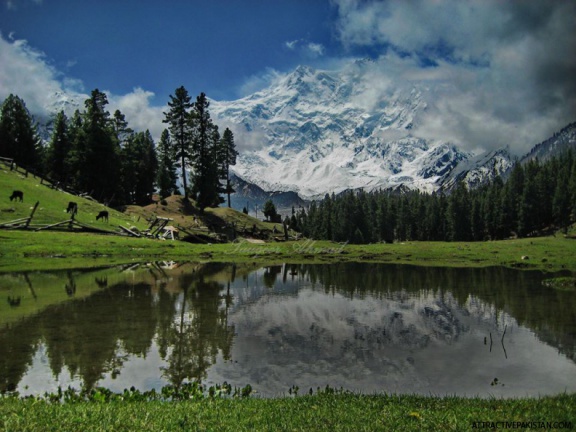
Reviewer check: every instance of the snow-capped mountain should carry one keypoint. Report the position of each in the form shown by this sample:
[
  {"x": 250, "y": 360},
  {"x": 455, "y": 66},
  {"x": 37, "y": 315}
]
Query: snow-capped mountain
[
  {"x": 317, "y": 132},
  {"x": 560, "y": 141},
  {"x": 54, "y": 103},
  {"x": 480, "y": 169}
]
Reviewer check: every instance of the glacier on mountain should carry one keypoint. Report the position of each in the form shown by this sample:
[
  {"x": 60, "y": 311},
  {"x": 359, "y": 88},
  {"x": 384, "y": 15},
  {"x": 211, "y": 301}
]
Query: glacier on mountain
[{"x": 316, "y": 132}]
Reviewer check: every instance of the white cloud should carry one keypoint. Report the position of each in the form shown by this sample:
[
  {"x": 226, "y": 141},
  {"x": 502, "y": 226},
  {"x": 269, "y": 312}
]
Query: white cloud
[
  {"x": 291, "y": 45},
  {"x": 258, "y": 81},
  {"x": 13, "y": 4},
  {"x": 138, "y": 111},
  {"x": 309, "y": 50},
  {"x": 507, "y": 67},
  {"x": 315, "y": 49},
  {"x": 26, "y": 72}
]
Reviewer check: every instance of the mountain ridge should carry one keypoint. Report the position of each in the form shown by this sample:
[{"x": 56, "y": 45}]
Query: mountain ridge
[{"x": 317, "y": 132}]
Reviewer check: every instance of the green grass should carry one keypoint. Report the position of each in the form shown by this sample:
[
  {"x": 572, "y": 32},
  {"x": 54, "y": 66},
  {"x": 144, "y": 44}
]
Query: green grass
[
  {"x": 320, "y": 412},
  {"x": 562, "y": 283},
  {"x": 25, "y": 250}
]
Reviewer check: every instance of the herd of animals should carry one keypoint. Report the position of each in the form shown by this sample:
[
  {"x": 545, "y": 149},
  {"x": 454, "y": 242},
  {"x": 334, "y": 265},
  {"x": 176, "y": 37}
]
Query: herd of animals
[{"x": 72, "y": 206}]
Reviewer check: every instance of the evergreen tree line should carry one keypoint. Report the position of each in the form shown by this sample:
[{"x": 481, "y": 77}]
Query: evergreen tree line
[
  {"x": 536, "y": 198},
  {"x": 97, "y": 153}
]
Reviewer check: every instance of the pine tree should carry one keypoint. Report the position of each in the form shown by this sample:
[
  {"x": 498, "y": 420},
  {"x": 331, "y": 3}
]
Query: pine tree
[
  {"x": 121, "y": 129},
  {"x": 529, "y": 201},
  {"x": 167, "y": 176},
  {"x": 100, "y": 171},
  {"x": 59, "y": 148},
  {"x": 140, "y": 166},
  {"x": 511, "y": 196},
  {"x": 227, "y": 157},
  {"x": 179, "y": 119},
  {"x": 572, "y": 190},
  {"x": 561, "y": 206},
  {"x": 459, "y": 208},
  {"x": 269, "y": 210},
  {"x": 148, "y": 169},
  {"x": 493, "y": 208},
  {"x": 77, "y": 155},
  {"x": 205, "y": 136},
  {"x": 18, "y": 134}
]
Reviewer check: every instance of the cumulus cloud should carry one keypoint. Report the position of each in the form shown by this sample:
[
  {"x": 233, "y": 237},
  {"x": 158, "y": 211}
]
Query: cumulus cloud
[
  {"x": 27, "y": 73},
  {"x": 508, "y": 66},
  {"x": 24, "y": 71},
  {"x": 139, "y": 113}
]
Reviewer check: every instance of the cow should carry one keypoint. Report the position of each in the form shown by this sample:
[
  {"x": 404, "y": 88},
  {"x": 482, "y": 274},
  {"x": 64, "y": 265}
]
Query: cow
[
  {"x": 14, "y": 301},
  {"x": 103, "y": 215},
  {"x": 72, "y": 207},
  {"x": 17, "y": 195}
]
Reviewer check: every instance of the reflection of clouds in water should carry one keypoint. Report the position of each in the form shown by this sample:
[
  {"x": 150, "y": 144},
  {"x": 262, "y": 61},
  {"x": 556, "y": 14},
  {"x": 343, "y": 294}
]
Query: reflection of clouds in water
[
  {"x": 424, "y": 343},
  {"x": 364, "y": 344}
]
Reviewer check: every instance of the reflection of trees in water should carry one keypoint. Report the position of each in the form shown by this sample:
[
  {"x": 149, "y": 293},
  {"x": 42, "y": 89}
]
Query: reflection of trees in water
[
  {"x": 88, "y": 336},
  {"x": 548, "y": 312},
  {"x": 187, "y": 313},
  {"x": 199, "y": 331},
  {"x": 95, "y": 335},
  {"x": 18, "y": 347}
]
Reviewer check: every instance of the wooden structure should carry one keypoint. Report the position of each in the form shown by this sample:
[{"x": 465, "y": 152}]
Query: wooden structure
[
  {"x": 22, "y": 222},
  {"x": 73, "y": 223},
  {"x": 157, "y": 226}
]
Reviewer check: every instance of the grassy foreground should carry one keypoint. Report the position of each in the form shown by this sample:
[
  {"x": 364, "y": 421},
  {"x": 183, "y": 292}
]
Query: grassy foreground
[{"x": 320, "y": 412}]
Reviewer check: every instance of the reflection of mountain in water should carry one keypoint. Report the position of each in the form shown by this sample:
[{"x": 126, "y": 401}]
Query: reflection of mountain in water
[
  {"x": 395, "y": 323},
  {"x": 485, "y": 292}
]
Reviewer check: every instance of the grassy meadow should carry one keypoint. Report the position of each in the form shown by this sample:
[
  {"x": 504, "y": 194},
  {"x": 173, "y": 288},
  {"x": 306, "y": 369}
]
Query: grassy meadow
[{"x": 325, "y": 411}]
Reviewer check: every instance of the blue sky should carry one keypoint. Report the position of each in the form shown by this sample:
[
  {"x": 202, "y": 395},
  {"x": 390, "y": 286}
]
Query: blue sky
[
  {"x": 507, "y": 67},
  {"x": 211, "y": 46}
]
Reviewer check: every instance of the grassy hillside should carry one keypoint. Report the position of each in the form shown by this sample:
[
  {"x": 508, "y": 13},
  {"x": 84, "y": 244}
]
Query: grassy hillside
[
  {"x": 188, "y": 216},
  {"x": 52, "y": 204}
]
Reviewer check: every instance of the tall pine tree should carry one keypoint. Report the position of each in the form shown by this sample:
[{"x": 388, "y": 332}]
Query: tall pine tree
[
  {"x": 140, "y": 162},
  {"x": 206, "y": 187},
  {"x": 59, "y": 148},
  {"x": 179, "y": 119},
  {"x": 101, "y": 166},
  {"x": 227, "y": 157},
  {"x": 18, "y": 134},
  {"x": 166, "y": 177}
]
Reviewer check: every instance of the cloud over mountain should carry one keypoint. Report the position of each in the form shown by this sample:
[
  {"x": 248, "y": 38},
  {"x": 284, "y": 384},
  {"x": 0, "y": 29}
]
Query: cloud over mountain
[{"x": 510, "y": 64}]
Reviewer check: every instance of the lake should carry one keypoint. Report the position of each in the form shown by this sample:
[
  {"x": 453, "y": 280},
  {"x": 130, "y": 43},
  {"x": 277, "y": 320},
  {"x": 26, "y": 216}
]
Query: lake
[{"x": 363, "y": 327}]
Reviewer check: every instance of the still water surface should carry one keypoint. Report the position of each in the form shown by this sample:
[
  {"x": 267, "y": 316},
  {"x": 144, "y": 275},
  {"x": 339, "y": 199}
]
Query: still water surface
[{"x": 364, "y": 327}]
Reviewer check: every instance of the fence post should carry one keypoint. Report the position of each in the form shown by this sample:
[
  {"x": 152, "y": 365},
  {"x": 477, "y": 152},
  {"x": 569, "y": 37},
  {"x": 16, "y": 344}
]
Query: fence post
[{"x": 31, "y": 215}]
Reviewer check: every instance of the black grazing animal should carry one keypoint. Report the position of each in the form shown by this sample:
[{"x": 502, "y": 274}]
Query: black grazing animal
[
  {"x": 17, "y": 195},
  {"x": 72, "y": 207},
  {"x": 103, "y": 215},
  {"x": 14, "y": 301}
]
